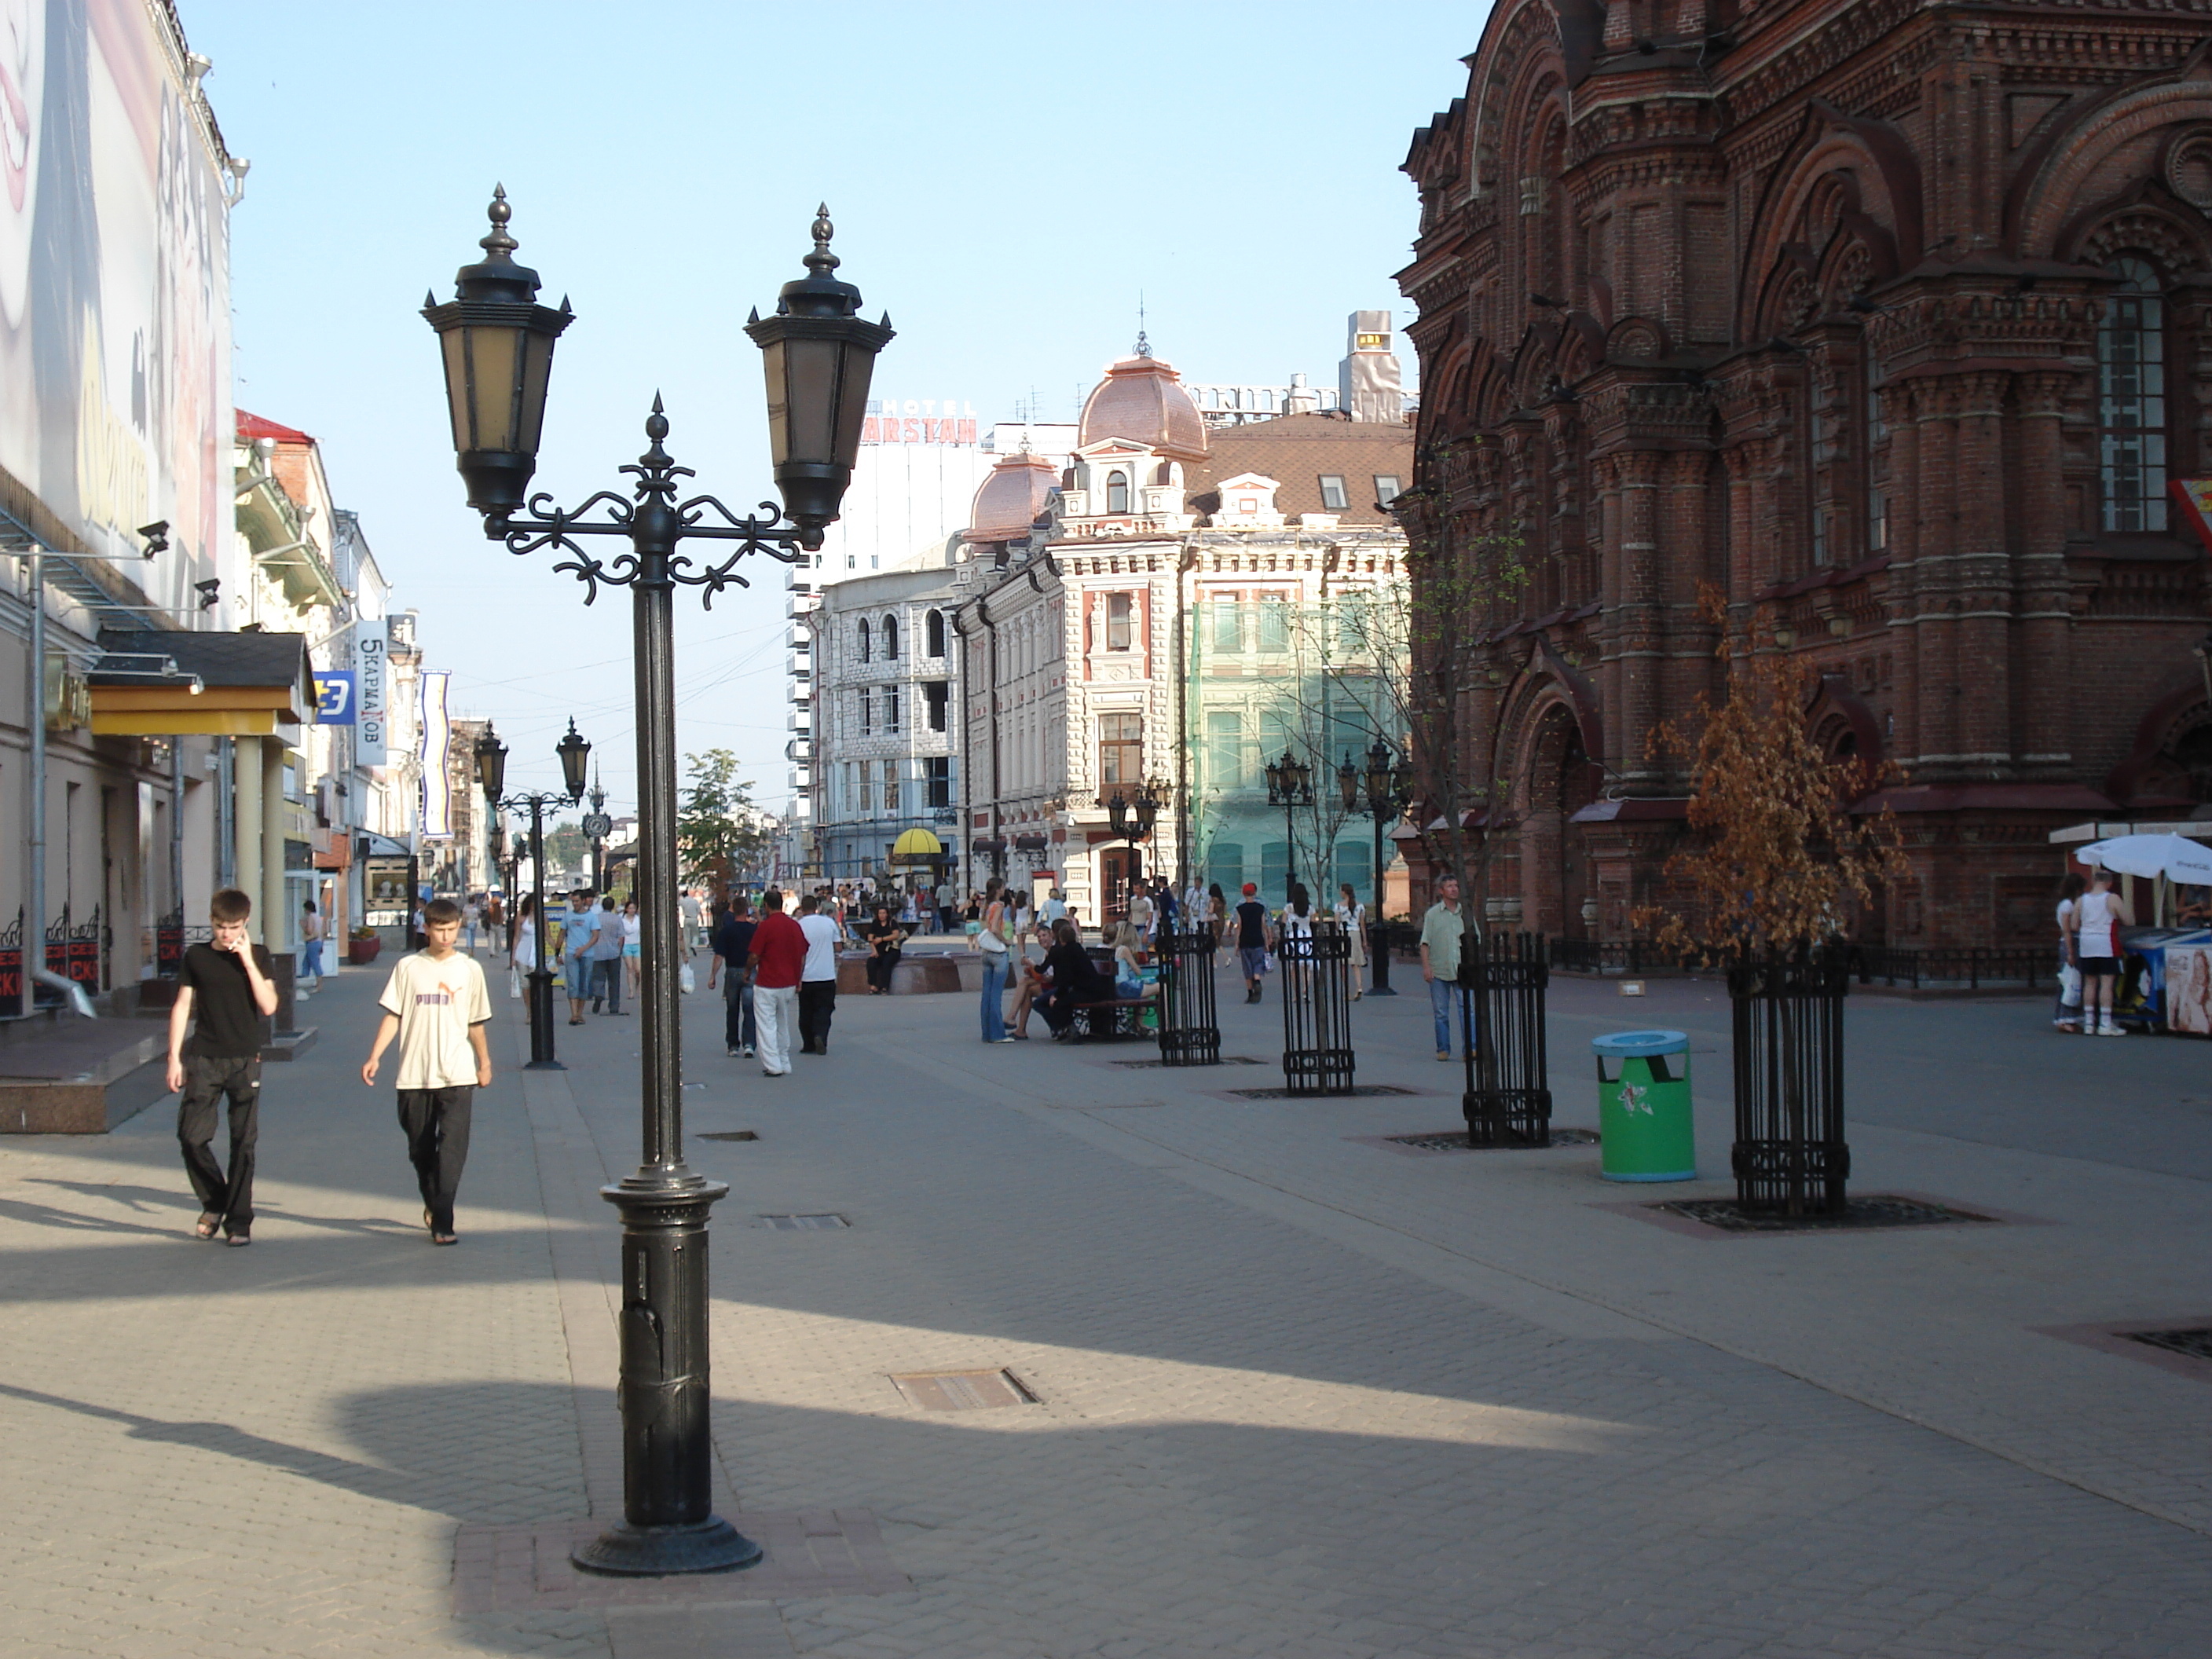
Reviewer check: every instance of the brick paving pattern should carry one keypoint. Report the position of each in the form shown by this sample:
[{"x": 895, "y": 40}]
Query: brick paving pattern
[{"x": 1291, "y": 1398}]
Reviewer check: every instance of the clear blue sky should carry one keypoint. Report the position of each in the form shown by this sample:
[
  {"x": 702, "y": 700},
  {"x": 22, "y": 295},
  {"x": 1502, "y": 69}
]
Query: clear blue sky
[{"x": 1005, "y": 181}]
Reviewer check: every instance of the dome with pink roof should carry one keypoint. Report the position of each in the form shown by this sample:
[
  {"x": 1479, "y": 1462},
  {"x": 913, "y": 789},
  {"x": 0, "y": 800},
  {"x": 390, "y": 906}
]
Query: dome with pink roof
[{"x": 1143, "y": 400}]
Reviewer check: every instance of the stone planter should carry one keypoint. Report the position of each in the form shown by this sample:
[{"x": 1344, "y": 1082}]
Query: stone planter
[{"x": 363, "y": 952}]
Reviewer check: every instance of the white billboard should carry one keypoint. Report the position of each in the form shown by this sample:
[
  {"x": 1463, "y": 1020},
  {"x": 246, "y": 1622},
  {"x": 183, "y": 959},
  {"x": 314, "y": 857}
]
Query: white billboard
[{"x": 372, "y": 661}]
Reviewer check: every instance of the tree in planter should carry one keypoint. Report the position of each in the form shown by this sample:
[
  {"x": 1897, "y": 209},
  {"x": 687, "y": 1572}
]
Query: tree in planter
[
  {"x": 1776, "y": 863},
  {"x": 717, "y": 831}
]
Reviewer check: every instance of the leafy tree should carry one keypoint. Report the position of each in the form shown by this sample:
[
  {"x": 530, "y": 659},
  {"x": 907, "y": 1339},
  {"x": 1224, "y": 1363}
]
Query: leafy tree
[
  {"x": 567, "y": 846},
  {"x": 719, "y": 834},
  {"x": 1777, "y": 859}
]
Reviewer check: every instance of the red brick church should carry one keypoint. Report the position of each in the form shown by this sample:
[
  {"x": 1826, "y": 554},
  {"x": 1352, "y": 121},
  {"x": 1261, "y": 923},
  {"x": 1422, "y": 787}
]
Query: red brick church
[{"x": 1892, "y": 321}]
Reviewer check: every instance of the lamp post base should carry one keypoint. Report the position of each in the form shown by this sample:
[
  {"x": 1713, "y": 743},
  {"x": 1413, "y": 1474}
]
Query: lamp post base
[{"x": 626, "y": 1552}]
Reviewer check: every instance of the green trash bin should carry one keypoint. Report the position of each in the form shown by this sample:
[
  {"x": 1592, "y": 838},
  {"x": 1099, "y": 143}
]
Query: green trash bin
[{"x": 1644, "y": 1109}]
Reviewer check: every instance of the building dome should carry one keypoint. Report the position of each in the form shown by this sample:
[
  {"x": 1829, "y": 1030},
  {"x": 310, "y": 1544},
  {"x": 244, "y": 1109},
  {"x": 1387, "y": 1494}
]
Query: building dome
[
  {"x": 1011, "y": 498},
  {"x": 1142, "y": 399}
]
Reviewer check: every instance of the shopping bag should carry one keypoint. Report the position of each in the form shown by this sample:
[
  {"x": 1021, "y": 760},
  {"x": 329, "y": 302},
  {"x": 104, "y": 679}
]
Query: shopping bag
[
  {"x": 2069, "y": 987},
  {"x": 513, "y": 983},
  {"x": 685, "y": 979},
  {"x": 1267, "y": 962}
]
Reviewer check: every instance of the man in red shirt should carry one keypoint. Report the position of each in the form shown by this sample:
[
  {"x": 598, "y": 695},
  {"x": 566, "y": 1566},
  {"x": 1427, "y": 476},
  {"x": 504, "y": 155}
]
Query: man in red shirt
[{"x": 777, "y": 959}]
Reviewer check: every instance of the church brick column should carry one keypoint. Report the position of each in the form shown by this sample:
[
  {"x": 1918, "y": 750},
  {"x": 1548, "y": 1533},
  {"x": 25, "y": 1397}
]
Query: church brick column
[
  {"x": 2044, "y": 632},
  {"x": 1631, "y": 703}
]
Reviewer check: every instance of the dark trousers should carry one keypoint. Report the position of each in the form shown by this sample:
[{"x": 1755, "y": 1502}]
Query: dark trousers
[
  {"x": 436, "y": 1124},
  {"x": 818, "y": 1000},
  {"x": 607, "y": 982},
  {"x": 879, "y": 970},
  {"x": 208, "y": 1080},
  {"x": 739, "y": 1029}
]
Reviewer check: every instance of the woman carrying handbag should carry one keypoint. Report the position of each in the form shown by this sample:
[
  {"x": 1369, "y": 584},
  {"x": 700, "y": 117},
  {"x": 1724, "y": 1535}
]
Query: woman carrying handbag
[{"x": 993, "y": 939}]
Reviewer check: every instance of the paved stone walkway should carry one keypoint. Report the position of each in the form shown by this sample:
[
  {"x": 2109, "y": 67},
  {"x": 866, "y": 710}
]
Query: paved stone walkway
[{"x": 1294, "y": 1393}]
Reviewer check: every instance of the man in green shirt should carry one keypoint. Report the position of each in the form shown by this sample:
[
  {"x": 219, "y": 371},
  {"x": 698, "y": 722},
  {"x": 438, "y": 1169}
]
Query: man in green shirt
[{"x": 1442, "y": 931}]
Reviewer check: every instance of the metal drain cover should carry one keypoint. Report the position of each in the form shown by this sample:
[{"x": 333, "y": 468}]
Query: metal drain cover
[
  {"x": 1455, "y": 1140},
  {"x": 2197, "y": 1344},
  {"x": 729, "y": 1134},
  {"x": 803, "y": 1223},
  {"x": 1875, "y": 1210},
  {"x": 1365, "y": 1089},
  {"x": 963, "y": 1391}
]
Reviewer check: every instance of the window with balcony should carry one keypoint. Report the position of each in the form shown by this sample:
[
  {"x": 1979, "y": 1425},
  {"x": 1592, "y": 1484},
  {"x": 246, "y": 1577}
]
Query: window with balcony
[{"x": 1120, "y": 749}]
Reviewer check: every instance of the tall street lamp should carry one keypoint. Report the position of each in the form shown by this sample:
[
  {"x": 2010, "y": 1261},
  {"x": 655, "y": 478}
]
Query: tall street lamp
[
  {"x": 491, "y": 772},
  {"x": 597, "y": 827},
  {"x": 818, "y": 354},
  {"x": 1289, "y": 785},
  {"x": 1384, "y": 782}
]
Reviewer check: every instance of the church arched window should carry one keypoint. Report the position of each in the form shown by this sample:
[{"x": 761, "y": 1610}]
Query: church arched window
[
  {"x": 890, "y": 639},
  {"x": 1117, "y": 492},
  {"x": 2131, "y": 400},
  {"x": 935, "y": 621},
  {"x": 864, "y": 639}
]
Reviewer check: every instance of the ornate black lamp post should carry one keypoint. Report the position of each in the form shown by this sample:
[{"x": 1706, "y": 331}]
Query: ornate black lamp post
[
  {"x": 1385, "y": 787},
  {"x": 1133, "y": 820},
  {"x": 1289, "y": 785},
  {"x": 819, "y": 353},
  {"x": 491, "y": 772},
  {"x": 596, "y": 827}
]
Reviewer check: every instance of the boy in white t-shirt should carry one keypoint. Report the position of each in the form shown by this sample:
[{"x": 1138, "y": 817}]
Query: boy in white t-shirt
[{"x": 436, "y": 1005}]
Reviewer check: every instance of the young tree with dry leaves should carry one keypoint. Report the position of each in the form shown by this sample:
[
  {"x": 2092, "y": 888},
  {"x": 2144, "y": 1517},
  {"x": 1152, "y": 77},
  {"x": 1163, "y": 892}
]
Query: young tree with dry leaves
[{"x": 1778, "y": 860}]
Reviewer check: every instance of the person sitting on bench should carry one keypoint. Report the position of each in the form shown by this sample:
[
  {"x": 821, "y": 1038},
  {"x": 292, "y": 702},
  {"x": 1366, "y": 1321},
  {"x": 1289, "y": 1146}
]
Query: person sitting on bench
[
  {"x": 1129, "y": 982},
  {"x": 1072, "y": 980}
]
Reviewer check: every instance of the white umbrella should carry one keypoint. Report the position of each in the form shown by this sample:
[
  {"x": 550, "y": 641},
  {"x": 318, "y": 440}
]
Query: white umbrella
[{"x": 2176, "y": 858}]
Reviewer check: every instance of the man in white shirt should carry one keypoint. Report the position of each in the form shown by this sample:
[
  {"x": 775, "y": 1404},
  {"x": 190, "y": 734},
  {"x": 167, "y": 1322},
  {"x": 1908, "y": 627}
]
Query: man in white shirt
[
  {"x": 694, "y": 914},
  {"x": 818, "y": 980},
  {"x": 436, "y": 1005}
]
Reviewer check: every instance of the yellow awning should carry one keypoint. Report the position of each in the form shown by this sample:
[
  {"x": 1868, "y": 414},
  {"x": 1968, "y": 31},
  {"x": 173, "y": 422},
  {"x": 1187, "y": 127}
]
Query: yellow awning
[{"x": 917, "y": 843}]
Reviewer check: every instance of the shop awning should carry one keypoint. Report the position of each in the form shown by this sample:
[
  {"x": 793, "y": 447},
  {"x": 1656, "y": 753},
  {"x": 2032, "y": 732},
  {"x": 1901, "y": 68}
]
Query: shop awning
[
  {"x": 917, "y": 843},
  {"x": 155, "y": 683}
]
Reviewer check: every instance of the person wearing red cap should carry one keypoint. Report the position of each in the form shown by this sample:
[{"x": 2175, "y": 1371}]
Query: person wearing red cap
[{"x": 1255, "y": 937}]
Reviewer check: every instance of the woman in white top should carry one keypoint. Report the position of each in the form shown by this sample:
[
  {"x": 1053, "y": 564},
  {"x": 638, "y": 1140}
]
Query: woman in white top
[
  {"x": 522, "y": 958},
  {"x": 2096, "y": 925},
  {"x": 633, "y": 947},
  {"x": 1352, "y": 916}
]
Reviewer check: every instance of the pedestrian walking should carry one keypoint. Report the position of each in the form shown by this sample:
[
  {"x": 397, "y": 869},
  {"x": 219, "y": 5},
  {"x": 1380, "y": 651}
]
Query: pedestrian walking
[
  {"x": 884, "y": 936},
  {"x": 606, "y": 958},
  {"x": 2098, "y": 917},
  {"x": 687, "y": 907},
  {"x": 2067, "y": 1016},
  {"x": 633, "y": 946},
  {"x": 311, "y": 934},
  {"x": 471, "y": 918},
  {"x": 436, "y": 1005},
  {"x": 774, "y": 961},
  {"x": 578, "y": 927},
  {"x": 1255, "y": 937},
  {"x": 522, "y": 948},
  {"x": 1217, "y": 913},
  {"x": 1443, "y": 934},
  {"x": 991, "y": 940},
  {"x": 732, "y": 939},
  {"x": 1140, "y": 912},
  {"x": 818, "y": 980},
  {"x": 224, "y": 992},
  {"x": 1352, "y": 916}
]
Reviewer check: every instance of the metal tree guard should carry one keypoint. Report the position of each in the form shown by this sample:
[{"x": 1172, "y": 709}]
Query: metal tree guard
[
  {"x": 1508, "y": 1101},
  {"x": 1316, "y": 994},
  {"x": 1789, "y": 1155},
  {"x": 819, "y": 353},
  {"x": 1190, "y": 1030}
]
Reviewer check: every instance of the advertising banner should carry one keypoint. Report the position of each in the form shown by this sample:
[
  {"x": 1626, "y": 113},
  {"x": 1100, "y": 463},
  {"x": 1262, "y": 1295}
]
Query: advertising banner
[
  {"x": 437, "y": 731},
  {"x": 371, "y": 658},
  {"x": 334, "y": 696},
  {"x": 115, "y": 398}
]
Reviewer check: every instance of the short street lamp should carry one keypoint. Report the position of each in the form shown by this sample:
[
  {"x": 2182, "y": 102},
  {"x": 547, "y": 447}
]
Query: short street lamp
[
  {"x": 1385, "y": 789},
  {"x": 1133, "y": 820},
  {"x": 497, "y": 342},
  {"x": 1289, "y": 785},
  {"x": 491, "y": 772}
]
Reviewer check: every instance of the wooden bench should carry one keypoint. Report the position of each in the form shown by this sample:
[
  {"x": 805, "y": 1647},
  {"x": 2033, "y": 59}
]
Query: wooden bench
[{"x": 1123, "y": 1019}]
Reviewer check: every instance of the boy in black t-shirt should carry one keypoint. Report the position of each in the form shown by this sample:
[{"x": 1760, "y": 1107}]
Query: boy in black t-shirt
[
  {"x": 226, "y": 983},
  {"x": 1255, "y": 937}
]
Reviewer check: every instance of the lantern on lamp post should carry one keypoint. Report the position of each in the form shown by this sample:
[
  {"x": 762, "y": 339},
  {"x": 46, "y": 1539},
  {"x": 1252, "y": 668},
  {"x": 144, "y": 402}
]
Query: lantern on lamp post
[
  {"x": 819, "y": 353},
  {"x": 1383, "y": 786}
]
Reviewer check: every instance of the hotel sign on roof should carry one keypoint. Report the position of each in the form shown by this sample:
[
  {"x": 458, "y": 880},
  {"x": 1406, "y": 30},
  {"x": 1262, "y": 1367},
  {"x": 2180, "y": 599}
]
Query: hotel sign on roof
[{"x": 919, "y": 421}]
